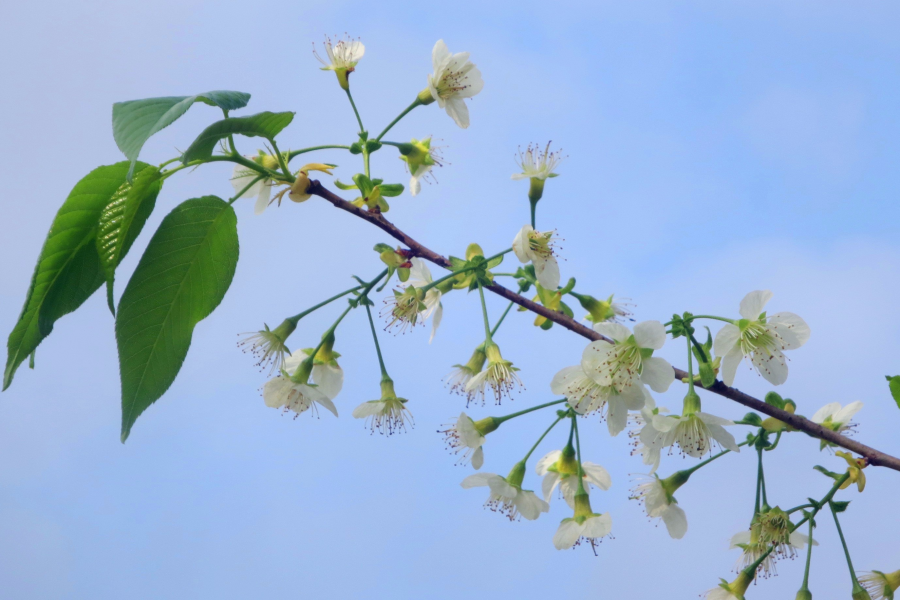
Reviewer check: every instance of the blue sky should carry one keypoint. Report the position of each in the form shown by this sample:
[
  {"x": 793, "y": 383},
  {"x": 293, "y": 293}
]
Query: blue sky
[{"x": 714, "y": 148}]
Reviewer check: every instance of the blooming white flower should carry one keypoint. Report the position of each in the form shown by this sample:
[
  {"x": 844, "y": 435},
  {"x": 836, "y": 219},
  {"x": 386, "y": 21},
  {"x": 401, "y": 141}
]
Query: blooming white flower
[
  {"x": 836, "y": 418},
  {"x": 326, "y": 374},
  {"x": 537, "y": 248},
  {"x": 586, "y": 396},
  {"x": 590, "y": 529},
  {"x": 537, "y": 163},
  {"x": 769, "y": 533},
  {"x": 760, "y": 338},
  {"x": 561, "y": 469},
  {"x": 731, "y": 591},
  {"x": 454, "y": 79},
  {"x": 419, "y": 276},
  {"x": 341, "y": 57},
  {"x": 499, "y": 375},
  {"x": 659, "y": 503},
  {"x": 459, "y": 378},
  {"x": 646, "y": 440},
  {"x": 464, "y": 436},
  {"x": 881, "y": 586},
  {"x": 404, "y": 309},
  {"x": 507, "y": 498},
  {"x": 694, "y": 433},
  {"x": 629, "y": 361},
  {"x": 268, "y": 346},
  {"x": 387, "y": 415},
  {"x": 281, "y": 392},
  {"x": 419, "y": 157}
]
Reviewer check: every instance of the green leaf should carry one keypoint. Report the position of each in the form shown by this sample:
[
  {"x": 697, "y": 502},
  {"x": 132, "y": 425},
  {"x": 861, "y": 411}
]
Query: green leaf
[
  {"x": 894, "y": 383},
  {"x": 344, "y": 186},
  {"x": 68, "y": 269},
  {"x": 265, "y": 124},
  {"x": 135, "y": 121},
  {"x": 122, "y": 220},
  {"x": 391, "y": 190},
  {"x": 774, "y": 399},
  {"x": 182, "y": 277},
  {"x": 840, "y": 506}
]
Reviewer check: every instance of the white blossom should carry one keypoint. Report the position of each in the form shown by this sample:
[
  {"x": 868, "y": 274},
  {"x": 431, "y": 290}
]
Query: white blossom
[
  {"x": 586, "y": 396},
  {"x": 281, "y": 392},
  {"x": 694, "y": 433},
  {"x": 538, "y": 248},
  {"x": 419, "y": 276},
  {"x": 507, "y": 499},
  {"x": 557, "y": 471},
  {"x": 463, "y": 436},
  {"x": 537, "y": 163},
  {"x": 575, "y": 531},
  {"x": 760, "y": 338},
  {"x": 628, "y": 362},
  {"x": 454, "y": 79},
  {"x": 659, "y": 504}
]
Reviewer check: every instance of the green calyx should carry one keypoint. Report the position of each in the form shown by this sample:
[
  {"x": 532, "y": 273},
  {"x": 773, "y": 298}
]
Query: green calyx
[
  {"x": 566, "y": 464},
  {"x": 326, "y": 354},
  {"x": 691, "y": 404},
  {"x": 424, "y": 97},
  {"x": 598, "y": 310},
  {"x": 387, "y": 388},
  {"x": 487, "y": 425},
  {"x": 582, "y": 507},
  {"x": 803, "y": 594},
  {"x": 860, "y": 593},
  {"x": 476, "y": 361},
  {"x": 674, "y": 481},
  {"x": 284, "y": 331},
  {"x": 303, "y": 372},
  {"x": 492, "y": 352},
  {"x": 536, "y": 189},
  {"x": 516, "y": 475},
  {"x": 416, "y": 154}
]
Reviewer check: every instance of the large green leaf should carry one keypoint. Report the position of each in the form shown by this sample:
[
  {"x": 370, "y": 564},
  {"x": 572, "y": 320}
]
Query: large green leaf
[
  {"x": 179, "y": 281},
  {"x": 122, "y": 219},
  {"x": 68, "y": 269},
  {"x": 265, "y": 124},
  {"x": 136, "y": 120}
]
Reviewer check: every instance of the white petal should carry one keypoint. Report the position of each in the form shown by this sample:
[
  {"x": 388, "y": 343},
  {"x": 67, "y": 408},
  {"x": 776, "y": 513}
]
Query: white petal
[
  {"x": 714, "y": 420},
  {"x": 323, "y": 400},
  {"x": 440, "y": 55},
  {"x": 825, "y": 412},
  {"x": 530, "y": 506},
  {"x": 792, "y": 322},
  {"x": 262, "y": 198},
  {"x": 478, "y": 458},
  {"x": 367, "y": 409},
  {"x": 458, "y": 111},
  {"x": 547, "y": 461},
  {"x": 616, "y": 415},
  {"x": 729, "y": 365},
  {"x": 598, "y": 526},
  {"x": 650, "y": 334},
  {"x": 635, "y": 397},
  {"x": 568, "y": 533},
  {"x": 547, "y": 272},
  {"x": 845, "y": 414},
  {"x": 501, "y": 487},
  {"x": 726, "y": 339},
  {"x": 549, "y": 483},
  {"x": 436, "y": 321},
  {"x": 275, "y": 392},
  {"x": 742, "y": 537},
  {"x": 664, "y": 423},
  {"x": 772, "y": 366},
  {"x": 478, "y": 480},
  {"x": 329, "y": 379},
  {"x": 613, "y": 331},
  {"x": 520, "y": 244},
  {"x": 658, "y": 374},
  {"x": 419, "y": 273},
  {"x": 754, "y": 303},
  {"x": 597, "y": 475},
  {"x": 676, "y": 521},
  {"x": 415, "y": 186},
  {"x": 725, "y": 439}
]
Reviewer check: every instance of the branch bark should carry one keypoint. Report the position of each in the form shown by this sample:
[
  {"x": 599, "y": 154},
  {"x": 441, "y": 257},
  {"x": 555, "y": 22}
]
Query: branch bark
[{"x": 873, "y": 456}]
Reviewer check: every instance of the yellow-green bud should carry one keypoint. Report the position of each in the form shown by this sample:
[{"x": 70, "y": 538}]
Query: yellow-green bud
[
  {"x": 473, "y": 250},
  {"x": 425, "y": 98},
  {"x": 803, "y": 594}
]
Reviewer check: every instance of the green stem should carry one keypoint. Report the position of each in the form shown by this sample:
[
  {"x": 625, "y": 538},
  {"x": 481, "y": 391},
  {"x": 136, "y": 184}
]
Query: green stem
[
  {"x": 487, "y": 324},
  {"x": 801, "y": 507},
  {"x": 503, "y": 316},
  {"x": 296, "y": 318},
  {"x": 384, "y": 373},
  {"x": 805, "y": 585},
  {"x": 775, "y": 443},
  {"x": 710, "y": 459},
  {"x": 406, "y": 110},
  {"x": 581, "y": 489},
  {"x": 541, "y": 439},
  {"x": 690, "y": 364},
  {"x": 246, "y": 187},
  {"x": 533, "y": 211},
  {"x": 280, "y": 157},
  {"x": 526, "y": 411},
  {"x": 699, "y": 348},
  {"x": 295, "y": 153},
  {"x": 355, "y": 112},
  {"x": 762, "y": 481},
  {"x": 715, "y": 318},
  {"x": 837, "y": 524}
]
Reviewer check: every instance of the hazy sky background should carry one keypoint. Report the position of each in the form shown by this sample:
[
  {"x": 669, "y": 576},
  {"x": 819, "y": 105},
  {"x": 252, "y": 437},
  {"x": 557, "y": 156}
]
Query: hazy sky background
[{"x": 714, "y": 148}]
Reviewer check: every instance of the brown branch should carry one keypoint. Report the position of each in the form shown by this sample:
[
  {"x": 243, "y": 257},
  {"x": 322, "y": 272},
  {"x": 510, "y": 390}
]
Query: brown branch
[{"x": 798, "y": 422}]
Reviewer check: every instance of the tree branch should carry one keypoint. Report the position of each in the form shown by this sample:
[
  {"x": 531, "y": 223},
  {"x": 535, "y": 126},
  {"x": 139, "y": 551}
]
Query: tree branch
[{"x": 873, "y": 456}]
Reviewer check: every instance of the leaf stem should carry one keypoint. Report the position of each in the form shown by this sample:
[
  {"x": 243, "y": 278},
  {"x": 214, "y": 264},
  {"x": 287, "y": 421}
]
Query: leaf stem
[
  {"x": 296, "y": 318},
  {"x": 355, "y": 112},
  {"x": 526, "y": 411}
]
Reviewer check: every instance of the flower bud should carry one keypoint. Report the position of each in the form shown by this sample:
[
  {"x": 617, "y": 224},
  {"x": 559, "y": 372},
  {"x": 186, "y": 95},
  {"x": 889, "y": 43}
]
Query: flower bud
[
  {"x": 424, "y": 97},
  {"x": 691, "y": 403},
  {"x": 517, "y": 474},
  {"x": 803, "y": 594}
]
